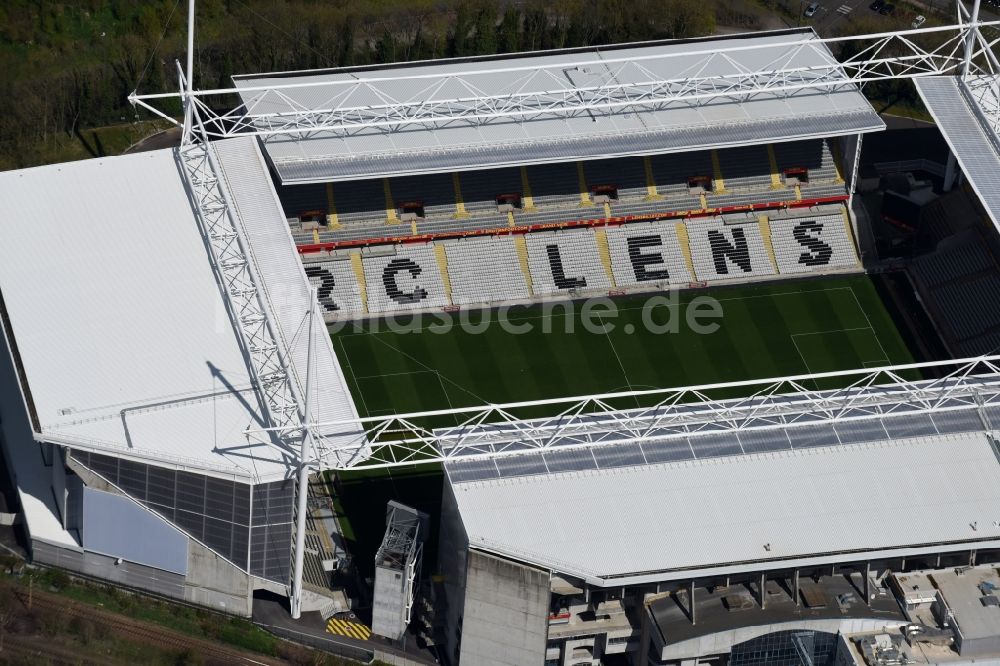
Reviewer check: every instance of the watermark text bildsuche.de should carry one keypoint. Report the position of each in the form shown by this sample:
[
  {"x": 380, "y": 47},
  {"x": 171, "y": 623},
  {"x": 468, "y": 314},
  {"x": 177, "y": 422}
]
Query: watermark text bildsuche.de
[{"x": 660, "y": 314}]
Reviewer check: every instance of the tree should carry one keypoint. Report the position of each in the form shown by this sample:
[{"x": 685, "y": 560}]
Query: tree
[
  {"x": 486, "y": 31},
  {"x": 507, "y": 33}
]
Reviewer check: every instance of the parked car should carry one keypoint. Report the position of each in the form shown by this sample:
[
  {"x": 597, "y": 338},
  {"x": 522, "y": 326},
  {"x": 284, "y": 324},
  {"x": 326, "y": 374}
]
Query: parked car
[
  {"x": 887, "y": 9},
  {"x": 811, "y": 10},
  {"x": 919, "y": 21},
  {"x": 877, "y": 5}
]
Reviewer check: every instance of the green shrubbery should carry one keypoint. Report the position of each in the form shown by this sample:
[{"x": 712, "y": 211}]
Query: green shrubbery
[{"x": 71, "y": 65}]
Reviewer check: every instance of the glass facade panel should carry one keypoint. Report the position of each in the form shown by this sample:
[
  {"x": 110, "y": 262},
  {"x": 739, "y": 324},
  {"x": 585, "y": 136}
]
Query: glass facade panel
[
  {"x": 214, "y": 511},
  {"x": 787, "y": 648}
]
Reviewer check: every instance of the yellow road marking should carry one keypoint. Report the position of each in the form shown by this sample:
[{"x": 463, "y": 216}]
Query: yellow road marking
[{"x": 348, "y": 628}]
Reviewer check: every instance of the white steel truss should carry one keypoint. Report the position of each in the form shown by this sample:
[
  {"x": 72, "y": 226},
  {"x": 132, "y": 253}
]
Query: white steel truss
[
  {"x": 237, "y": 274},
  {"x": 494, "y": 431},
  {"x": 282, "y": 403},
  {"x": 542, "y": 91},
  {"x": 402, "y": 550},
  {"x": 633, "y": 84}
]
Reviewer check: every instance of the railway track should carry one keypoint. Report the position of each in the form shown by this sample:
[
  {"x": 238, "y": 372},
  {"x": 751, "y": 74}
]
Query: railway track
[{"x": 147, "y": 634}]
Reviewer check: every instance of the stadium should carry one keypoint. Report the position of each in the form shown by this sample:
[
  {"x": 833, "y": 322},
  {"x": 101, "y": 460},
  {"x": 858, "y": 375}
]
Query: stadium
[{"x": 226, "y": 358}]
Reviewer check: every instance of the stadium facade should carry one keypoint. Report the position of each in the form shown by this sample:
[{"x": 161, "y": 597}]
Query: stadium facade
[
  {"x": 150, "y": 448},
  {"x": 125, "y": 414}
]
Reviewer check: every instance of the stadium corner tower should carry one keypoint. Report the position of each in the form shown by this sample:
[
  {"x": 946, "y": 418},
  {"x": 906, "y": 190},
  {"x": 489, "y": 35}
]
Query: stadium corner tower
[
  {"x": 127, "y": 407},
  {"x": 132, "y": 420}
]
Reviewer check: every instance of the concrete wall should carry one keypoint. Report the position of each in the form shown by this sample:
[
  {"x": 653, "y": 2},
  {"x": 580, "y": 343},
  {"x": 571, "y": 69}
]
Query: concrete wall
[
  {"x": 216, "y": 582},
  {"x": 452, "y": 555},
  {"x": 505, "y": 621},
  {"x": 211, "y": 580},
  {"x": 389, "y": 603}
]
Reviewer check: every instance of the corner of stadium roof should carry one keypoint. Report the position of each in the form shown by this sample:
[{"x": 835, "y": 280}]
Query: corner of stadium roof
[
  {"x": 352, "y": 153},
  {"x": 889, "y": 482},
  {"x": 116, "y": 322},
  {"x": 957, "y": 109}
]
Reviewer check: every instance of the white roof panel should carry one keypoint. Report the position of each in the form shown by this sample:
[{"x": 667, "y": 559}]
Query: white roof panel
[
  {"x": 974, "y": 148},
  {"x": 118, "y": 319},
  {"x": 674, "y": 127},
  {"x": 665, "y": 520}
]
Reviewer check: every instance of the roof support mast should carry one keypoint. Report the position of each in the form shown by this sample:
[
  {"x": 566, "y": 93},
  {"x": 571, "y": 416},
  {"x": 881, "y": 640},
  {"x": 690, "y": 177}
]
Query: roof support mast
[
  {"x": 280, "y": 397},
  {"x": 970, "y": 38},
  {"x": 304, "y": 455},
  {"x": 188, "y": 130}
]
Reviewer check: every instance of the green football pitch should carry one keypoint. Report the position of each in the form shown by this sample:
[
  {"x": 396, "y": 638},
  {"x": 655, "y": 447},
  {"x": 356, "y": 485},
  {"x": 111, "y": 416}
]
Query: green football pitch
[
  {"x": 765, "y": 331},
  {"x": 789, "y": 328}
]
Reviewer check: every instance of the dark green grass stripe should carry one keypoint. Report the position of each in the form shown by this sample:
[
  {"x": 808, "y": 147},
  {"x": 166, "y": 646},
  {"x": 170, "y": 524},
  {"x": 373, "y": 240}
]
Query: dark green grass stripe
[{"x": 754, "y": 341}]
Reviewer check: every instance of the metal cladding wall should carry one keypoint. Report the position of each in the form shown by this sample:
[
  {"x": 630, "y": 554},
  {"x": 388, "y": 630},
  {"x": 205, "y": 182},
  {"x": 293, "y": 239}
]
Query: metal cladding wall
[
  {"x": 271, "y": 535},
  {"x": 216, "y": 512}
]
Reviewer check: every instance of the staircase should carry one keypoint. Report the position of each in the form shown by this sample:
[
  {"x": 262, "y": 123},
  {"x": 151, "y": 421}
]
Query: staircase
[
  {"x": 683, "y": 241},
  {"x": 359, "y": 274},
  {"x": 776, "y": 183},
  {"x": 765, "y": 235},
  {"x": 718, "y": 183},
  {"x": 522, "y": 255},
  {"x": 601, "y": 236},
  {"x": 442, "y": 259}
]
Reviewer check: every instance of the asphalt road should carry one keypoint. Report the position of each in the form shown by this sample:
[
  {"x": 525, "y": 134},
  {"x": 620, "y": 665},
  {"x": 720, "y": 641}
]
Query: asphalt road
[{"x": 832, "y": 14}]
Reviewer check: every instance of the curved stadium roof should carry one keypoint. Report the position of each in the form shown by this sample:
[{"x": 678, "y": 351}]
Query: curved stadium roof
[
  {"x": 116, "y": 320},
  {"x": 401, "y": 119}
]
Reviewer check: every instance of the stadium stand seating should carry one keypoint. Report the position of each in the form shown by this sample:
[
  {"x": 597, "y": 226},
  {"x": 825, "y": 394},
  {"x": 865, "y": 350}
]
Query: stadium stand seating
[
  {"x": 407, "y": 278},
  {"x": 814, "y": 155},
  {"x": 745, "y": 168},
  {"x": 961, "y": 303},
  {"x": 456, "y": 268},
  {"x": 564, "y": 261},
  {"x": 627, "y": 174},
  {"x": 554, "y": 185},
  {"x": 479, "y": 270},
  {"x": 948, "y": 265},
  {"x": 955, "y": 282},
  {"x": 805, "y": 244},
  {"x": 671, "y": 173},
  {"x": 337, "y": 287},
  {"x": 723, "y": 251},
  {"x": 456, "y": 204},
  {"x": 434, "y": 191},
  {"x": 485, "y": 269},
  {"x": 647, "y": 252},
  {"x": 480, "y": 188}
]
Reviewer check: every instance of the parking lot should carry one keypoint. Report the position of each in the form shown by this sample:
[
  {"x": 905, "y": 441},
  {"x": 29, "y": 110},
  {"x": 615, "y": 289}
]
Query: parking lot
[{"x": 832, "y": 14}]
